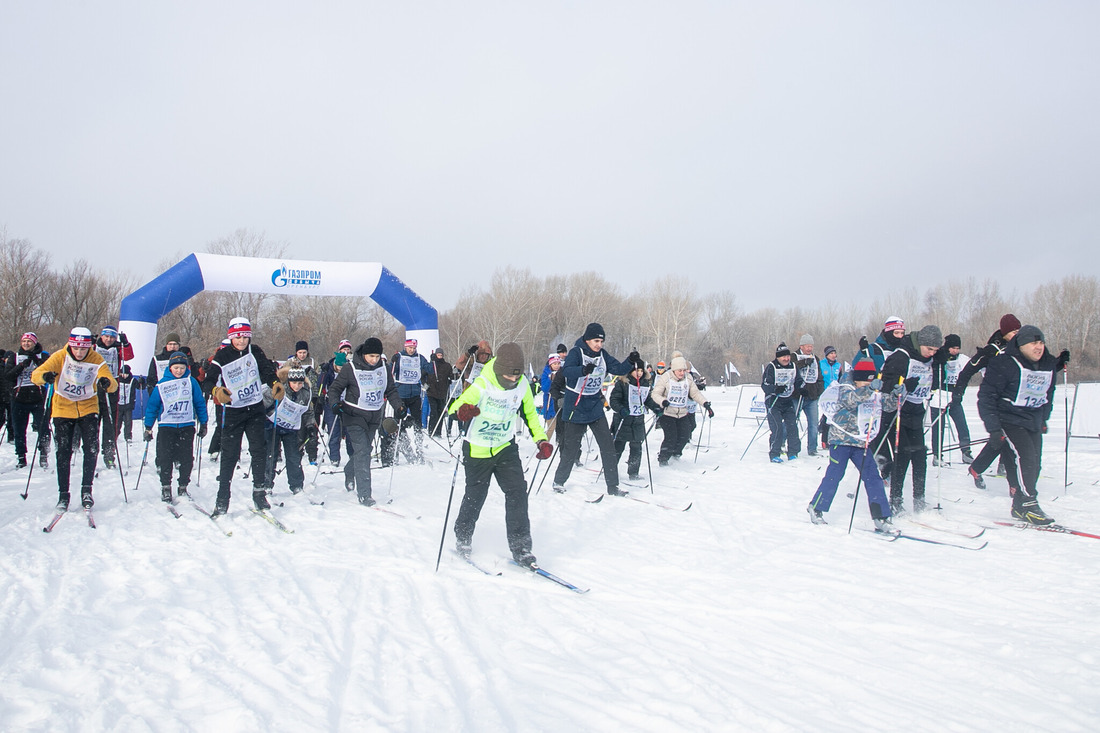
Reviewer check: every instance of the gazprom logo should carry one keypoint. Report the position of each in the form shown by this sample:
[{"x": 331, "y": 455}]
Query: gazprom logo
[{"x": 296, "y": 278}]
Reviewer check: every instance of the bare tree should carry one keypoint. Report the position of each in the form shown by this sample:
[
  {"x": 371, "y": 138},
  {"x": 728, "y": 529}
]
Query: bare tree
[{"x": 26, "y": 271}]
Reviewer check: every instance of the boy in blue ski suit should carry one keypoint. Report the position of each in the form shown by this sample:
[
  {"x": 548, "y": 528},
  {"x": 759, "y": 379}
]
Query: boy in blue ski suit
[{"x": 177, "y": 402}]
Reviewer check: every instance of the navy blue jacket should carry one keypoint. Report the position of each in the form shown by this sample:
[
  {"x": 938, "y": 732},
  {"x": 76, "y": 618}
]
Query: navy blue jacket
[{"x": 587, "y": 408}]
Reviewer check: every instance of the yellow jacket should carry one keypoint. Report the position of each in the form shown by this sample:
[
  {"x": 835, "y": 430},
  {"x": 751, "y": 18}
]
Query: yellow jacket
[{"x": 61, "y": 406}]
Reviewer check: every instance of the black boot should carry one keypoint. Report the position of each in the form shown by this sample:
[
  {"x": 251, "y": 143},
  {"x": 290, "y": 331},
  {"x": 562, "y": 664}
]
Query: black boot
[
  {"x": 259, "y": 498},
  {"x": 86, "y": 497},
  {"x": 166, "y": 494},
  {"x": 63, "y": 501},
  {"x": 181, "y": 492}
]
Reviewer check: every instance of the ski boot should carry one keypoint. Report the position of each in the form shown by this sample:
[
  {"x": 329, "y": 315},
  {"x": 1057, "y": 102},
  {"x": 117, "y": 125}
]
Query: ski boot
[
  {"x": 559, "y": 488},
  {"x": 524, "y": 558},
  {"x": 181, "y": 492},
  {"x": 21, "y": 462},
  {"x": 1030, "y": 512},
  {"x": 259, "y": 498},
  {"x": 978, "y": 480},
  {"x": 815, "y": 515},
  {"x": 463, "y": 547},
  {"x": 63, "y": 501},
  {"x": 367, "y": 501},
  {"x": 166, "y": 494},
  {"x": 86, "y": 497},
  {"x": 883, "y": 525},
  {"x": 616, "y": 491}
]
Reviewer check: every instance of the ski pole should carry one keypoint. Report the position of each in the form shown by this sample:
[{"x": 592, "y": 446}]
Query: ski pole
[
  {"x": 198, "y": 472},
  {"x": 1065, "y": 395},
  {"x": 111, "y": 427},
  {"x": 142, "y": 467},
  {"x": 696, "y": 459},
  {"x": 648, "y": 465},
  {"x": 548, "y": 464},
  {"x": 38, "y": 441},
  {"x": 393, "y": 465},
  {"x": 758, "y": 426},
  {"x": 447, "y": 515},
  {"x": 859, "y": 480}
]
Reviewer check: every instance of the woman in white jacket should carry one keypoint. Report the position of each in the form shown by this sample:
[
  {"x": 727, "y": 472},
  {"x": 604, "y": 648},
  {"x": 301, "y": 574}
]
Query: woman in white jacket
[{"x": 672, "y": 392}]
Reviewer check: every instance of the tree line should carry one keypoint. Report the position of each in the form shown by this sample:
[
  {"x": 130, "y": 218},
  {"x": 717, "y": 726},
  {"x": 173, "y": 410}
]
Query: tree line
[{"x": 515, "y": 304}]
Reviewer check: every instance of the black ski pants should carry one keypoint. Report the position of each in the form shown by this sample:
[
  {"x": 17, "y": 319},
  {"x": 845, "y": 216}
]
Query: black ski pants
[
  {"x": 22, "y": 413},
  {"x": 630, "y": 429},
  {"x": 1022, "y": 451},
  {"x": 108, "y": 409},
  {"x": 781, "y": 415},
  {"x": 437, "y": 409},
  {"x": 572, "y": 433},
  {"x": 292, "y": 457},
  {"x": 911, "y": 450},
  {"x": 360, "y": 448},
  {"x": 508, "y": 469},
  {"x": 175, "y": 445},
  {"x": 241, "y": 422},
  {"x": 955, "y": 412},
  {"x": 64, "y": 428},
  {"x": 677, "y": 431}
]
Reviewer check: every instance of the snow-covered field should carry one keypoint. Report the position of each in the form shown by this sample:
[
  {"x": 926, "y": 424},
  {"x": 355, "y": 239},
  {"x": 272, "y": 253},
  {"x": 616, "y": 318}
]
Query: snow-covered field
[{"x": 735, "y": 615}]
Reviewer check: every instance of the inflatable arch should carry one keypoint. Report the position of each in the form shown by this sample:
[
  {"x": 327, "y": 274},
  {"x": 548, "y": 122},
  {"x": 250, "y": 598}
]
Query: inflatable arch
[{"x": 197, "y": 272}]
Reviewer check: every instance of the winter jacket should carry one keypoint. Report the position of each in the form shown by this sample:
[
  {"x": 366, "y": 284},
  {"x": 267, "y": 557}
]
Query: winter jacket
[
  {"x": 812, "y": 384},
  {"x": 880, "y": 349},
  {"x": 902, "y": 364},
  {"x": 767, "y": 382},
  {"x": 439, "y": 378},
  {"x": 1001, "y": 390},
  {"x": 62, "y": 406},
  {"x": 661, "y": 390},
  {"x": 159, "y": 362},
  {"x": 18, "y": 368},
  {"x": 343, "y": 393},
  {"x": 154, "y": 406},
  {"x": 407, "y": 391},
  {"x": 303, "y": 396},
  {"x": 115, "y": 355},
  {"x": 845, "y": 428},
  {"x": 625, "y": 426},
  {"x": 486, "y": 384},
  {"x": 829, "y": 372},
  {"x": 225, "y": 356},
  {"x": 549, "y": 403},
  {"x": 994, "y": 347},
  {"x": 578, "y": 407}
]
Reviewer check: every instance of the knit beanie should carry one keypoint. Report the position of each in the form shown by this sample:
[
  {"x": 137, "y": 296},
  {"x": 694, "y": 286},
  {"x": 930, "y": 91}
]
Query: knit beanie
[
  {"x": 1029, "y": 334},
  {"x": 301, "y": 346},
  {"x": 296, "y": 375},
  {"x": 178, "y": 358},
  {"x": 1009, "y": 323},
  {"x": 561, "y": 349},
  {"x": 864, "y": 370},
  {"x": 593, "y": 331},
  {"x": 109, "y": 331},
  {"x": 80, "y": 338},
  {"x": 679, "y": 362},
  {"x": 509, "y": 361},
  {"x": 894, "y": 323},
  {"x": 782, "y": 350},
  {"x": 953, "y": 341},
  {"x": 930, "y": 336},
  {"x": 240, "y": 327},
  {"x": 172, "y": 337},
  {"x": 372, "y": 346},
  {"x": 829, "y": 350},
  {"x": 806, "y": 340}
]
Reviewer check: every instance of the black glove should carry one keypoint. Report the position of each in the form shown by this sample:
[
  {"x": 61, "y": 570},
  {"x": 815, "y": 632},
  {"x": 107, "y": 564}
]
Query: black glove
[
  {"x": 48, "y": 377},
  {"x": 202, "y": 430},
  {"x": 588, "y": 369},
  {"x": 710, "y": 412},
  {"x": 1063, "y": 359},
  {"x": 123, "y": 340},
  {"x": 996, "y": 437},
  {"x": 104, "y": 383},
  {"x": 664, "y": 404},
  {"x": 472, "y": 350},
  {"x": 399, "y": 413},
  {"x": 995, "y": 338},
  {"x": 338, "y": 408},
  {"x": 863, "y": 345},
  {"x": 148, "y": 435},
  {"x": 633, "y": 357},
  {"x": 625, "y": 412},
  {"x": 911, "y": 384}
]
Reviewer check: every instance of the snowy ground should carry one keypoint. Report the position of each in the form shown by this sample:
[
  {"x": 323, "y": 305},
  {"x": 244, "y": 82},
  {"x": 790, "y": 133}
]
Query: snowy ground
[{"x": 735, "y": 615}]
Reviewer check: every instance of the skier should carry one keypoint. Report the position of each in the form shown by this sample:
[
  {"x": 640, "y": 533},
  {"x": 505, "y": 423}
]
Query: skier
[
  {"x": 855, "y": 423},
  {"x": 910, "y": 365},
  {"x": 491, "y": 405},
  {"x": 292, "y": 418},
  {"x": 584, "y": 369},
  {"x": 408, "y": 370},
  {"x": 945, "y": 377},
  {"x": 236, "y": 377},
  {"x": 438, "y": 379},
  {"x": 812, "y": 387},
  {"x": 546, "y": 380},
  {"x": 887, "y": 342},
  {"x": 159, "y": 363},
  {"x": 76, "y": 373},
  {"x": 125, "y": 404},
  {"x": 672, "y": 393},
  {"x": 28, "y": 399},
  {"x": 358, "y": 396},
  {"x": 177, "y": 404},
  {"x": 115, "y": 350},
  {"x": 831, "y": 369},
  {"x": 333, "y": 424},
  {"x": 628, "y": 400},
  {"x": 1007, "y": 329},
  {"x": 302, "y": 360},
  {"x": 780, "y": 382},
  {"x": 1015, "y": 400}
]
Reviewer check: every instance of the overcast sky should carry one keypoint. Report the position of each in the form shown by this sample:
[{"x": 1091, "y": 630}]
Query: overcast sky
[{"x": 752, "y": 146}]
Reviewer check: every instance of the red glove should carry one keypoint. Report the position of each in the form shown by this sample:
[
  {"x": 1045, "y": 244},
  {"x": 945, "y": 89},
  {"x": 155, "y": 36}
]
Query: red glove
[
  {"x": 544, "y": 450},
  {"x": 468, "y": 412}
]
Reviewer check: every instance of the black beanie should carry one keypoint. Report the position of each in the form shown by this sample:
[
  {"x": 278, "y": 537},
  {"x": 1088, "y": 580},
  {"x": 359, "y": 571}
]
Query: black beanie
[
  {"x": 372, "y": 346},
  {"x": 561, "y": 348},
  {"x": 301, "y": 346},
  {"x": 953, "y": 341},
  {"x": 509, "y": 361},
  {"x": 594, "y": 331},
  {"x": 782, "y": 350}
]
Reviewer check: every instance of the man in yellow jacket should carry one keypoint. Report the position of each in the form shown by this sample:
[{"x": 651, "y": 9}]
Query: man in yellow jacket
[
  {"x": 493, "y": 404},
  {"x": 74, "y": 375}
]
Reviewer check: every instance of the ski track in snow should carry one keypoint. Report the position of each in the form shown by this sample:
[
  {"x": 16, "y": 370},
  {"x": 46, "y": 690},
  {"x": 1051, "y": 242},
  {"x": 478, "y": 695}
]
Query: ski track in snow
[{"x": 735, "y": 615}]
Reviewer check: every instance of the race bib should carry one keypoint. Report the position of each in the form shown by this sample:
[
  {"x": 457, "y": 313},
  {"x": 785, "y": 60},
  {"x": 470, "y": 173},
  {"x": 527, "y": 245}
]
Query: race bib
[
  {"x": 952, "y": 370},
  {"x": 784, "y": 382},
  {"x": 923, "y": 372},
  {"x": 591, "y": 384},
  {"x": 242, "y": 378},
  {"x": 635, "y": 397},
  {"x": 288, "y": 415},
  {"x": 125, "y": 392},
  {"x": 372, "y": 388},
  {"x": 175, "y": 396},
  {"x": 809, "y": 372},
  {"x": 475, "y": 372},
  {"x": 25, "y": 375},
  {"x": 110, "y": 356},
  {"x": 678, "y": 392},
  {"x": 160, "y": 367},
  {"x": 1033, "y": 387},
  {"x": 829, "y": 400},
  {"x": 496, "y": 424},
  {"x": 408, "y": 369},
  {"x": 77, "y": 379}
]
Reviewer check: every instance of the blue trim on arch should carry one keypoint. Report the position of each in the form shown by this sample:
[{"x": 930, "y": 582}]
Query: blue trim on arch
[
  {"x": 164, "y": 293},
  {"x": 403, "y": 304}
]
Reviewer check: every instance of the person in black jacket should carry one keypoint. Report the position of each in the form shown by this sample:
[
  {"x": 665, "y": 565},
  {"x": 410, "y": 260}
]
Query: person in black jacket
[
  {"x": 629, "y": 397},
  {"x": 1015, "y": 400},
  {"x": 812, "y": 387},
  {"x": 28, "y": 399},
  {"x": 358, "y": 395},
  {"x": 438, "y": 380},
  {"x": 946, "y": 366},
  {"x": 1006, "y": 331},
  {"x": 910, "y": 365},
  {"x": 780, "y": 382},
  {"x": 237, "y": 376}
]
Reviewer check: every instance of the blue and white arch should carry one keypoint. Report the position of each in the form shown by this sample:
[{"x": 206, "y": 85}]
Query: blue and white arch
[{"x": 200, "y": 272}]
